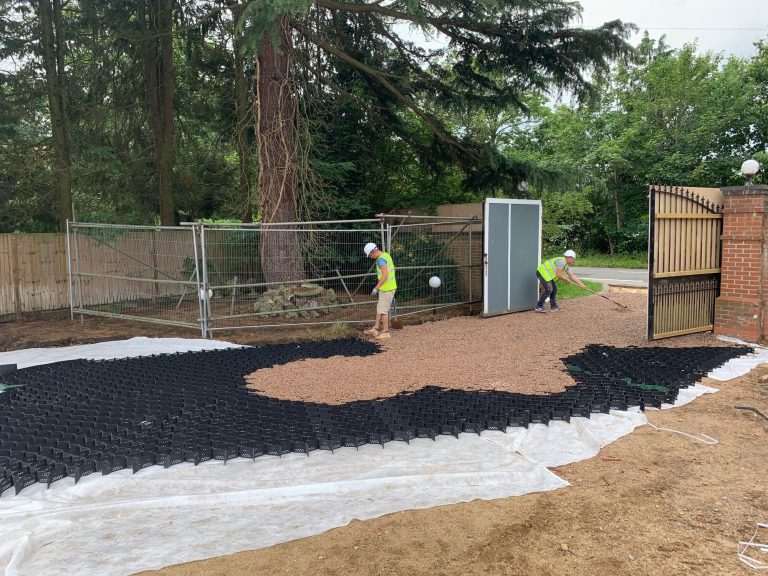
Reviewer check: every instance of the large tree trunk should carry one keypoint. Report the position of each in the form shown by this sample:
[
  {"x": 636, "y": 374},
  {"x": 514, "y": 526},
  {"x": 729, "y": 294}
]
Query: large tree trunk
[
  {"x": 275, "y": 105},
  {"x": 241, "y": 100},
  {"x": 156, "y": 22},
  {"x": 52, "y": 43}
]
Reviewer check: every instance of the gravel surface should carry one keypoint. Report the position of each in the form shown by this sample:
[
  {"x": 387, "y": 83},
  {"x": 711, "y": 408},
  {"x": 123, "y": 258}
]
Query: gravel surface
[{"x": 516, "y": 352}]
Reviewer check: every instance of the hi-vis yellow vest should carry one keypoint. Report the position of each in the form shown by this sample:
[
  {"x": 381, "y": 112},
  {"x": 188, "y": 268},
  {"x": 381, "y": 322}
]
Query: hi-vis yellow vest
[
  {"x": 548, "y": 269},
  {"x": 391, "y": 283}
]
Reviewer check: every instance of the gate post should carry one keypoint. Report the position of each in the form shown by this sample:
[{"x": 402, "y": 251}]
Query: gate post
[{"x": 740, "y": 310}]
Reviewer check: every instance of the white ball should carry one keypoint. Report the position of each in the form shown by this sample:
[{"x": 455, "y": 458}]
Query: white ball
[
  {"x": 434, "y": 282},
  {"x": 750, "y": 167}
]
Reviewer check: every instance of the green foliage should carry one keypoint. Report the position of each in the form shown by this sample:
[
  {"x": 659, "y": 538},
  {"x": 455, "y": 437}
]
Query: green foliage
[
  {"x": 338, "y": 330},
  {"x": 418, "y": 257},
  {"x": 667, "y": 116},
  {"x": 263, "y": 16},
  {"x": 637, "y": 260},
  {"x": 188, "y": 271},
  {"x": 394, "y": 100},
  {"x": 232, "y": 253},
  {"x": 566, "y": 216},
  {"x": 387, "y": 123}
]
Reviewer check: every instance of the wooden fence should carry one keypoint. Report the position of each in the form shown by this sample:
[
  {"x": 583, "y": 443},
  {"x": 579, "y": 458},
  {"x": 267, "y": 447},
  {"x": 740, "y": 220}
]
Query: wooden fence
[
  {"x": 33, "y": 270},
  {"x": 33, "y": 273}
]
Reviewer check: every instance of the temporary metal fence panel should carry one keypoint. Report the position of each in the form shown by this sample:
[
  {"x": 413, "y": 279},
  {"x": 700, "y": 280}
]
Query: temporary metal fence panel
[
  {"x": 447, "y": 249},
  {"x": 319, "y": 276},
  {"x": 217, "y": 277},
  {"x": 134, "y": 272},
  {"x": 512, "y": 251},
  {"x": 684, "y": 254}
]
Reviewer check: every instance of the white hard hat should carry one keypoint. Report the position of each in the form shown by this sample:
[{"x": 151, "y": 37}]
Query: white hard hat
[
  {"x": 370, "y": 247},
  {"x": 570, "y": 254}
]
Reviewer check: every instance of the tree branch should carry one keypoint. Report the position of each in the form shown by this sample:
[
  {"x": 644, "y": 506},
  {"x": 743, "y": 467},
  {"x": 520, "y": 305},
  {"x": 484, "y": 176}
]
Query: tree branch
[
  {"x": 378, "y": 76},
  {"x": 376, "y": 8}
]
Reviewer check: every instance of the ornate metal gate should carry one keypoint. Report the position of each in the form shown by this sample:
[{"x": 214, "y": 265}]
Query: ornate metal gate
[{"x": 684, "y": 251}]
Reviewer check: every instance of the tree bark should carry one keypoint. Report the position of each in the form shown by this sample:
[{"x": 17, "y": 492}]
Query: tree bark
[
  {"x": 241, "y": 100},
  {"x": 276, "y": 129},
  {"x": 616, "y": 207},
  {"x": 50, "y": 35},
  {"x": 156, "y": 22}
]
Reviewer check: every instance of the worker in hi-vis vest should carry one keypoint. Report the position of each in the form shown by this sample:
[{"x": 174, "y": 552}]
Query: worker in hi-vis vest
[
  {"x": 385, "y": 288},
  {"x": 549, "y": 272}
]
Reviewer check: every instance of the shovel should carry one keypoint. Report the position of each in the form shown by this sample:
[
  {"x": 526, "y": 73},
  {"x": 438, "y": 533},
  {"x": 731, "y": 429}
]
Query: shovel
[{"x": 394, "y": 322}]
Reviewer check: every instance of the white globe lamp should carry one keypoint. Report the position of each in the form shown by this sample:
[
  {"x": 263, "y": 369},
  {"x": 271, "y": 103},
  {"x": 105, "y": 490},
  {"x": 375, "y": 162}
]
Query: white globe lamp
[{"x": 749, "y": 168}]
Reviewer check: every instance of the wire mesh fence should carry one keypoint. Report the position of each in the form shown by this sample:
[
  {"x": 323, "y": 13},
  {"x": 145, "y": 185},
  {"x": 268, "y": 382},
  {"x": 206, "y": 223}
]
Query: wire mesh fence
[
  {"x": 233, "y": 276},
  {"x": 449, "y": 250},
  {"x": 134, "y": 272},
  {"x": 319, "y": 275}
]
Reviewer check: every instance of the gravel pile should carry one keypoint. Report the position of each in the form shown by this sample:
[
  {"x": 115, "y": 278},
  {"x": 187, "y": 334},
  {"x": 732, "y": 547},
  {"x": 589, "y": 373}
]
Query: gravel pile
[{"x": 516, "y": 352}]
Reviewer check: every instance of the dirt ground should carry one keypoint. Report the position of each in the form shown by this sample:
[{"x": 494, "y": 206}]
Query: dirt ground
[
  {"x": 46, "y": 329},
  {"x": 653, "y": 502}
]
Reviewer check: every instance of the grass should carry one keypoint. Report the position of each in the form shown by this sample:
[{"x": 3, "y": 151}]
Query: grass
[
  {"x": 597, "y": 260},
  {"x": 333, "y": 332},
  {"x": 338, "y": 329},
  {"x": 566, "y": 291},
  {"x": 634, "y": 260}
]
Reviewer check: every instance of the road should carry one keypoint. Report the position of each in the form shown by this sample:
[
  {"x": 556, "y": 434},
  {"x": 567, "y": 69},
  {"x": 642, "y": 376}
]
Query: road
[{"x": 614, "y": 276}]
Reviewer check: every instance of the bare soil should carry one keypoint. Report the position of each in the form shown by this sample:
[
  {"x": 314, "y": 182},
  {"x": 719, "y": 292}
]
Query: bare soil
[
  {"x": 46, "y": 329},
  {"x": 654, "y": 502}
]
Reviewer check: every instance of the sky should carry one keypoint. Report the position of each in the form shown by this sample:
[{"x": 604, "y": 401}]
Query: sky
[
  {"x": 727, "y": 26},
  {"x": 730, "y": 27}
]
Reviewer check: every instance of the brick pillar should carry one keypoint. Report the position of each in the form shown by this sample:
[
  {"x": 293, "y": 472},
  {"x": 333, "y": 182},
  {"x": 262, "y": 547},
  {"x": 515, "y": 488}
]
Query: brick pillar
[{"x": 740, "y": 309}]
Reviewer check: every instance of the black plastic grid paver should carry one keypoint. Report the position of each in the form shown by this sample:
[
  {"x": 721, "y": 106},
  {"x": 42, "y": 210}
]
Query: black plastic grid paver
[{"x": 71, "y": 419}]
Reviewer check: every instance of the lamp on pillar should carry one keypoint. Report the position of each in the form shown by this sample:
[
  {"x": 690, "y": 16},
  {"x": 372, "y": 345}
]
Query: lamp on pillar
[{"x": 749, "y": 168}]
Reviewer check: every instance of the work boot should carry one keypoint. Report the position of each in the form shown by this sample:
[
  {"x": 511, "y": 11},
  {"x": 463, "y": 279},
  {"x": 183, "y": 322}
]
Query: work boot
[
  {"x": 384, "y": 336},
  {"x": 539, "y": 309},
  {"x": 372, "y": 331}
]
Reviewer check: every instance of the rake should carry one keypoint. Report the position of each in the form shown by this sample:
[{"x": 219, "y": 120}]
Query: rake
[{"x": 603, "y": 296}]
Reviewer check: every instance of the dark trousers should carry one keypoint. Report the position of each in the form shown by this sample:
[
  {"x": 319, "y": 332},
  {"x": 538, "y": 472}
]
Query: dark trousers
[{"x": 550, "y": 291}]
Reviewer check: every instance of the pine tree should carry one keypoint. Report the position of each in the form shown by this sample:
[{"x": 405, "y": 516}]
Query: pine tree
[{"x": 493, "y": 53}]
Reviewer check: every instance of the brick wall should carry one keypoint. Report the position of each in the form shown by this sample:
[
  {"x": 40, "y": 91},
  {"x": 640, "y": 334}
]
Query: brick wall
[{"x": 739, "y": 311}]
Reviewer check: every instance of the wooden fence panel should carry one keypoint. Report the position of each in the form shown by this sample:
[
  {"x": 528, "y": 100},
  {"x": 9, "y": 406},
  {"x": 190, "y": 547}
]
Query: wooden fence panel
[
  {"x": 33, "y": 273},
  {"x": 43, "y": 271},
  {"x": 8, "y": 283}
]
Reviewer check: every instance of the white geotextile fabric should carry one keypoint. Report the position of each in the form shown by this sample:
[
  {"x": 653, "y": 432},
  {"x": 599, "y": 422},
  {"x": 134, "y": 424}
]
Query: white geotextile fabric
[
  {"x": 124, "y": 523},
  {"x": 138, "y": 346},
  {"x": 742, "y": 364}
]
